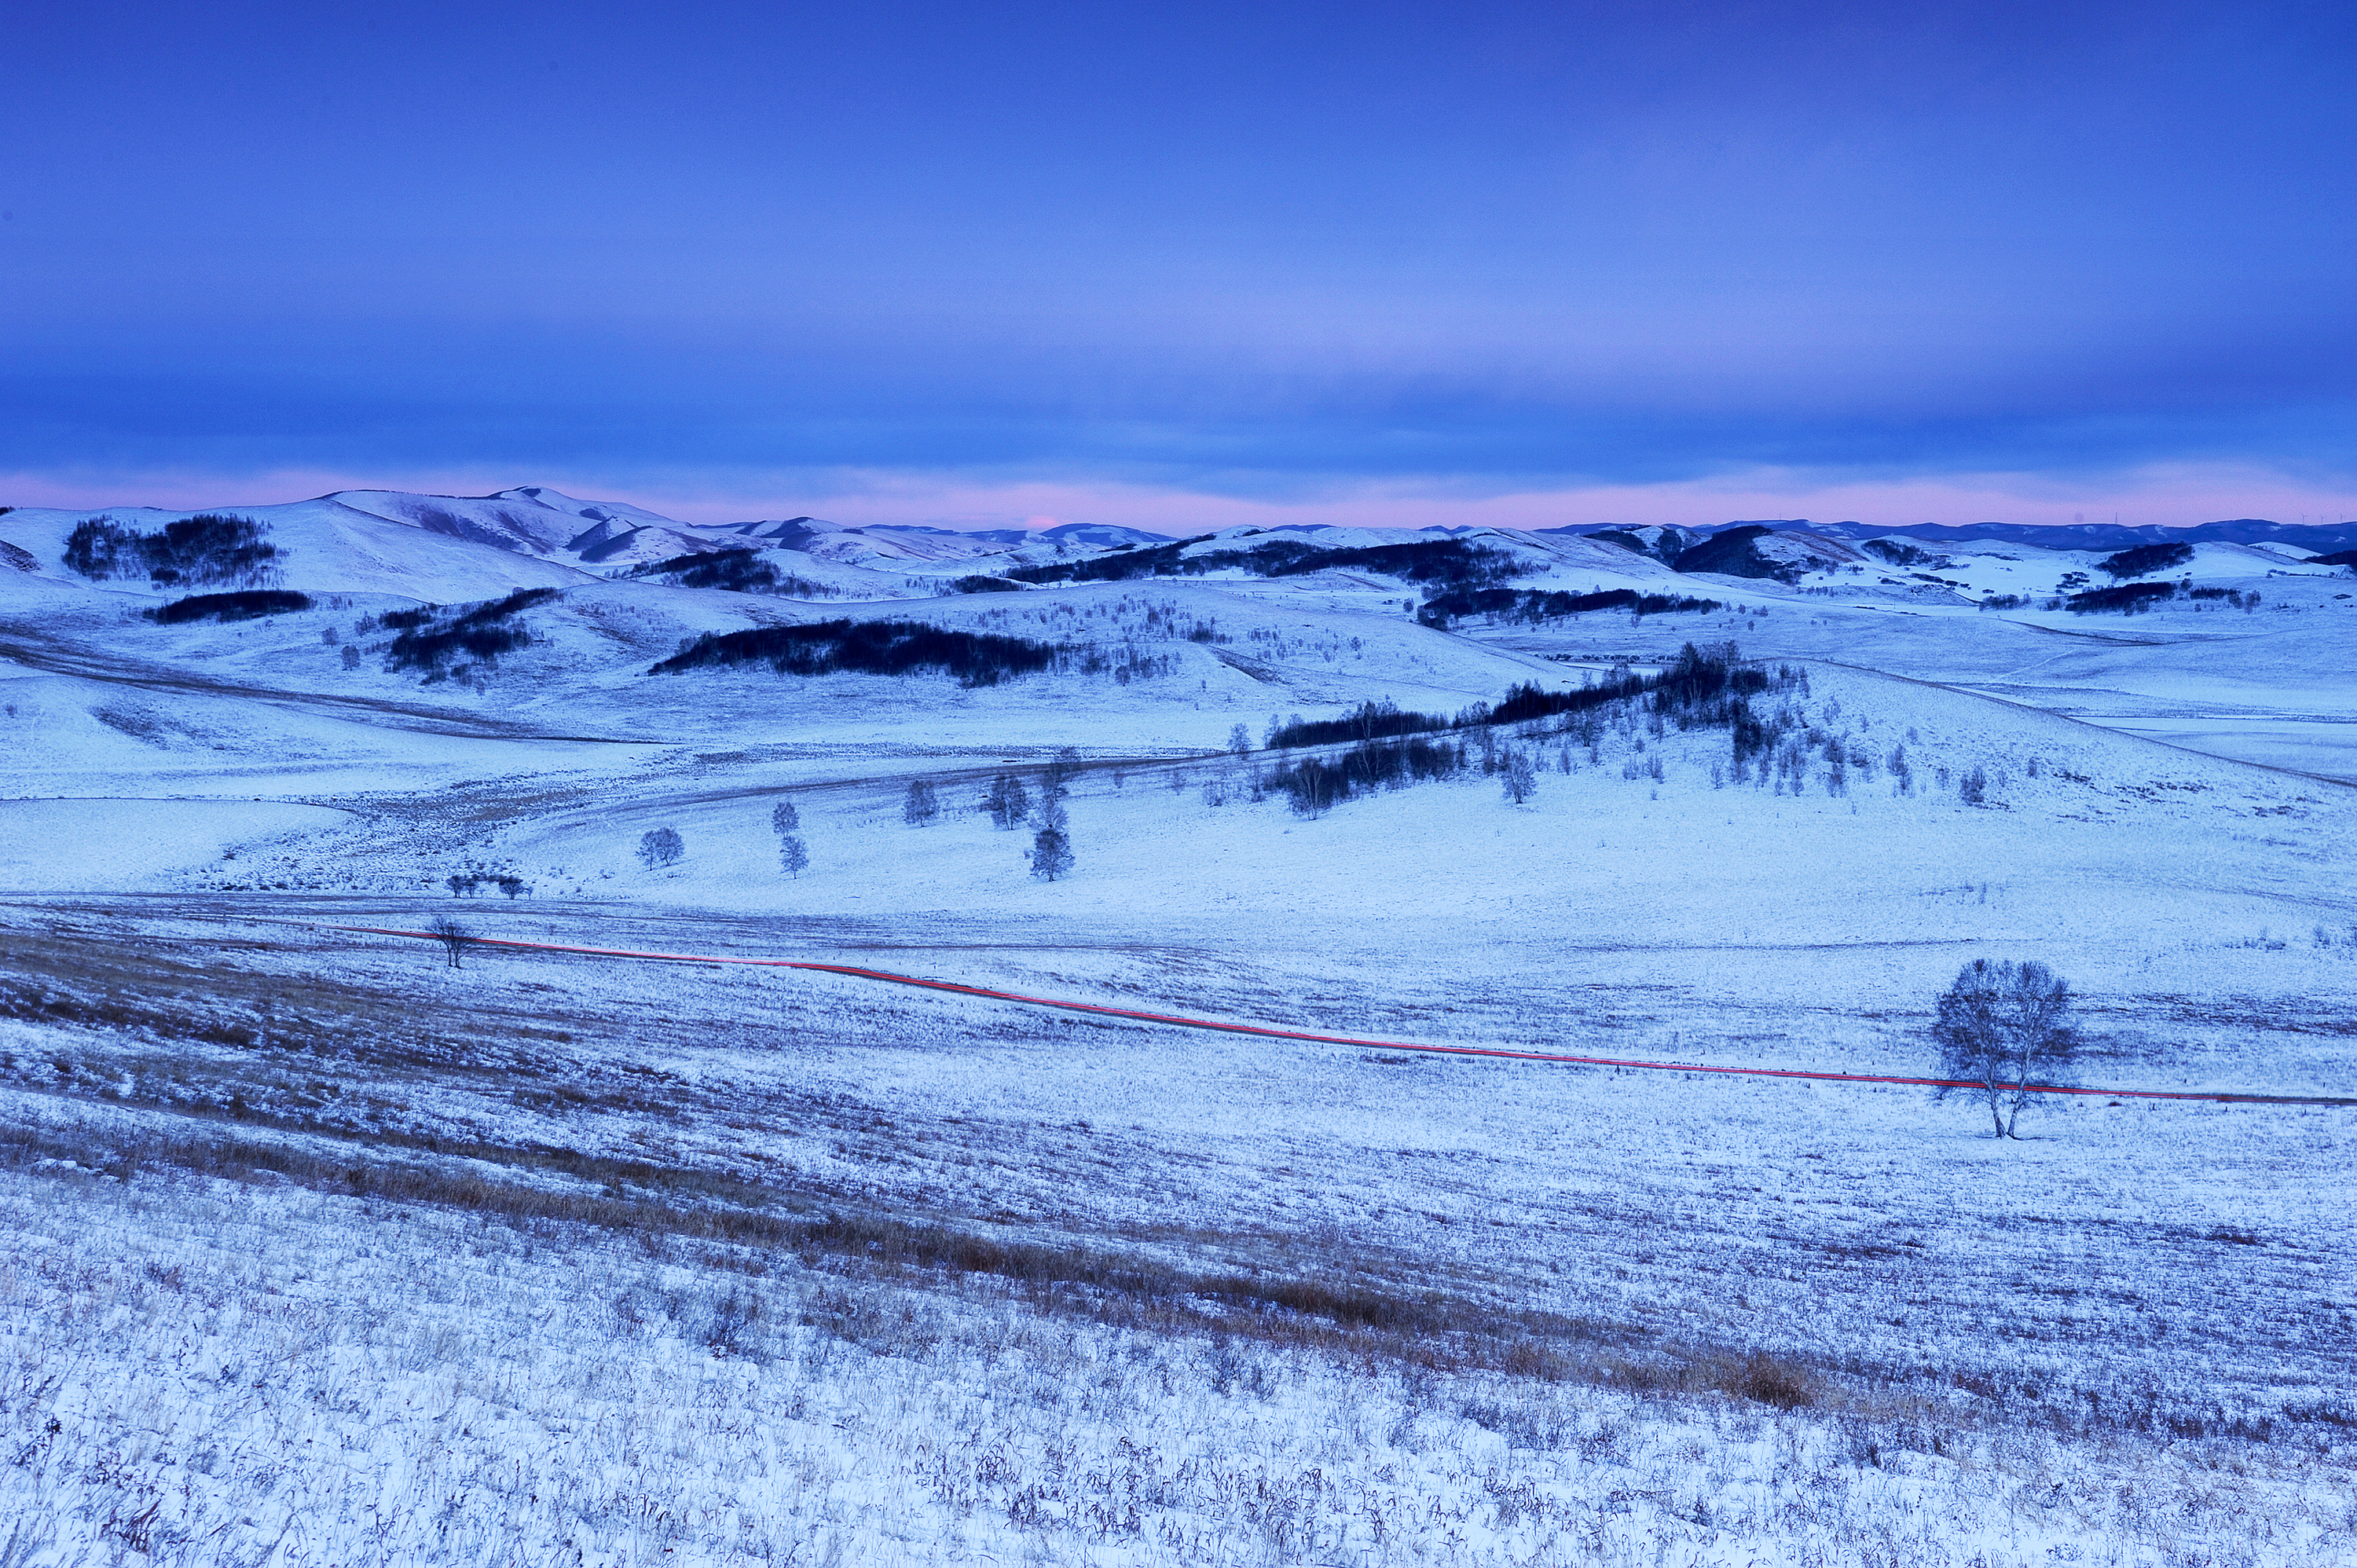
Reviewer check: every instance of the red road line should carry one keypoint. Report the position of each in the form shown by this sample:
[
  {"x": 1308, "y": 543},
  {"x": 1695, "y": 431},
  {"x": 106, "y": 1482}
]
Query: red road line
[{"x": 1269, "y": 1032}]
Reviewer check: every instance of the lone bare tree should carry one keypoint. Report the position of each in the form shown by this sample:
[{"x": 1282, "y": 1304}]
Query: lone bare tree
[
  {"x": 1052, "y": 847},
  {"x": 455, "y": 938},
  {"x": 659, "y": 847},
  {"x": 1520, "y": 776},
  {"x": 2005, "y": 1030}
]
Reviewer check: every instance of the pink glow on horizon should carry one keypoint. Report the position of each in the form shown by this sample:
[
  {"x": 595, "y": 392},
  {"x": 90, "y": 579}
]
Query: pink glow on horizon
[{"x": 2167, "y": 497}]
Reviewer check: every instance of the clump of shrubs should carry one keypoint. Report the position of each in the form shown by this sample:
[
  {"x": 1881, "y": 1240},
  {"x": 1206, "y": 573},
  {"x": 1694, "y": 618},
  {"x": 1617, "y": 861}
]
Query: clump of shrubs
[{"x": 466, "y": 884}]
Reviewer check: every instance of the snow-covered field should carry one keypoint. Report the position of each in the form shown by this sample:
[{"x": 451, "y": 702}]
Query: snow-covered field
[{"x": 321, "y": 1251}]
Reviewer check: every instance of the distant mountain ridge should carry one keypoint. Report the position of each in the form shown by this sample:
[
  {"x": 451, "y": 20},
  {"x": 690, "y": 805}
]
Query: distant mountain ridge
[
  {"x": 532, "y": 535},
  {"x": 2318, "y": 536}
]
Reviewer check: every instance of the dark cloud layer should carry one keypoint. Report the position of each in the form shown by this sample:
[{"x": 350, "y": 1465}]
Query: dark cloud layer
[{"x": 1256, "y": 250}]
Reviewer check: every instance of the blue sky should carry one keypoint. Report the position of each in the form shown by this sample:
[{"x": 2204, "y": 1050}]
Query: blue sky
[{"x": 1507, "y": 263}]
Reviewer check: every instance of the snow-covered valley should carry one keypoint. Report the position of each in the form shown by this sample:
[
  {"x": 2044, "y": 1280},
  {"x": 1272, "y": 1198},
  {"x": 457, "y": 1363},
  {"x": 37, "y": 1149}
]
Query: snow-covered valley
[{"x": 321, "y": 1249}]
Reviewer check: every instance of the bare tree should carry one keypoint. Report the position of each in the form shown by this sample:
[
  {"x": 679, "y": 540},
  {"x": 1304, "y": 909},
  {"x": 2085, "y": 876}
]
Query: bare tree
[
  {"x": 1239, "y": 740},
  {"x": 1008, "y": 802},
  {"x": 2005, "y": 1030},
  {"x": 793, "y": 855},
  {"x": 922, "y": 804},
  {"x": 784, "y": 819},
  {"x": 659, "y": 847},
  {"x": 1519, "y": 776},
  {"x": 1061, "y": 769},
  {"x": 1052, "y": 847},
  {"x": 455, "y": 938}
]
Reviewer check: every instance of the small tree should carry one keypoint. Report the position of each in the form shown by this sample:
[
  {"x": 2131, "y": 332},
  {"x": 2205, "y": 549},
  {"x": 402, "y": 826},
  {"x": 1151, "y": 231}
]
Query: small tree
[
  {"x": 793, "y": 855},
  {"x": 659, "y": 847},
  {"x": 1061, "y": 769},
  {"x": 1520, "y": 777},
  {"x": 1010, "y": 801},
  {"x": 455, "y": 938},
  {"x": 1052, "y": 854},
  {"x": 1239, "y": 740},
  {"x": 922, "y": 804},
  {"x": 1052, "y": 847},
  {"x": 784, "y": 819},
  {"x": 2005, "y": 1030}
]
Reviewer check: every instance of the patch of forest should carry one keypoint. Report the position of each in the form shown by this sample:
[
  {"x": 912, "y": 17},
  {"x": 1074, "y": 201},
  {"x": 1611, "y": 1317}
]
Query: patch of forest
[
  {"x": 1391, "y": 747},
  {"x": 1538, "y": 604},
  {"x": 243, "y": 605},
  {"x": 2144, "y": 560},
  {"x": 869, "y": 648},
  {"x": 2128, "y": 598},
  {"x": 200, "y": 551}
]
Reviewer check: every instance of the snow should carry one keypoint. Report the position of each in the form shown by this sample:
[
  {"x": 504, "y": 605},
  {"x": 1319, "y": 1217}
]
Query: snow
[{"x": 276, "y": 1355}]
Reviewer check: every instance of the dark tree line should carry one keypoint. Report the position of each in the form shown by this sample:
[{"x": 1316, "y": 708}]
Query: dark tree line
[
  {"x": 1697, "y": 690},
  {"x": 245, "y": 604},
  {"x": 2128, "y": 598},
  {"x": 1536, "y": 605},
  {"x": 1454, "y": 561},
  {"x": 1390, "y": 748},
  {"x": 2145, "y": 559},
  {"x": 869, "y": 648}
]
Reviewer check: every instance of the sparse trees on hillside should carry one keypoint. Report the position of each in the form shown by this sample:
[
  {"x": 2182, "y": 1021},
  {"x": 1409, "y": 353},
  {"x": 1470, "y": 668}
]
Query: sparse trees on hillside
[
  {"x": 659, "y": 847},
  {"x": 2004, "y": 1029},
  {"x": 922, "y": 805}
]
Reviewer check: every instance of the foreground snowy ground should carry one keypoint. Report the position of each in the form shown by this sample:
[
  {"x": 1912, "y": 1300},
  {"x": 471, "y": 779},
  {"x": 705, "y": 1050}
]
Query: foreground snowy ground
[
  {"x": 209, "y": 1371},
  {"x": 317, "y": 1251}
]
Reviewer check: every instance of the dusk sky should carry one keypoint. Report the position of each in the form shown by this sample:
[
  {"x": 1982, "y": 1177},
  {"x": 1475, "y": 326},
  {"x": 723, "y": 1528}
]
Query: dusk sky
[{"x": 1188, "y": 265}]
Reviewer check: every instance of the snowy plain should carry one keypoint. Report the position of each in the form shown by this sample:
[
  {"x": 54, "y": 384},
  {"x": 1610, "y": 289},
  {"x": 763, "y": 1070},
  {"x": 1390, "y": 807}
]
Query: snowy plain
[{"x": 715, "y": 1264}]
